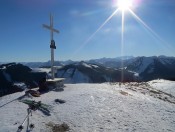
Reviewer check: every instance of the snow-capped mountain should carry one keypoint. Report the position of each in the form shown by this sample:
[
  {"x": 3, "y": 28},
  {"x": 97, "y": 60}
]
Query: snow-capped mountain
[
  {"x": 107, "y": 62},
  {"x": 139, "y": 64},
  {"x": 84, "y": 72},
  {"x": 14, "y": 77},
  {"x": 147, "y": 68},
  {"x": 150, "y": 68},
  {"x": 93, "y": 71}
]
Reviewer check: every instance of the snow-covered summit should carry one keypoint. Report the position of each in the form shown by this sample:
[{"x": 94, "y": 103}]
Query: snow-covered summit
[{"x": 96, "y": 107}]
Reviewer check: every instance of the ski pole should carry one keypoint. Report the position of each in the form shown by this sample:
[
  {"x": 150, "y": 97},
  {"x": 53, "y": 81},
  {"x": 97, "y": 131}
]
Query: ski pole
[{"x": 27, "y": 117}]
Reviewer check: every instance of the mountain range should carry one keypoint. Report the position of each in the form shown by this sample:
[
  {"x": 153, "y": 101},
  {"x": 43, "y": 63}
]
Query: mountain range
[
  {"x": 126, "y": 69},
  {"x": 132, "y": 68},
  {"x": 150, "y": 68},
  {"x": 114, "y": 62},
  {"x": 83, "y": 72}
]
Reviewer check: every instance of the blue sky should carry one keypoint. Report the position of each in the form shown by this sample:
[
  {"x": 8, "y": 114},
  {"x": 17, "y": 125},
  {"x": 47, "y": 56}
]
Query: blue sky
[{"x": 23, "y": 39}]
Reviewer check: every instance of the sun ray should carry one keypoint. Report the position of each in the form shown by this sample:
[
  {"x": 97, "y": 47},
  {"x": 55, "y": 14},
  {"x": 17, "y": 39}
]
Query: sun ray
[
  {"x": 153, "y": 33},
  {"x": 122, "y": 44},
  {"x": 96, "y": 31}
]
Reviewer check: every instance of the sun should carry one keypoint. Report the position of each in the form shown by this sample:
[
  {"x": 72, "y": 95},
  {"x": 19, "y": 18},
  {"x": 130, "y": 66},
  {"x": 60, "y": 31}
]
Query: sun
[{"x": 124, "y": 5}]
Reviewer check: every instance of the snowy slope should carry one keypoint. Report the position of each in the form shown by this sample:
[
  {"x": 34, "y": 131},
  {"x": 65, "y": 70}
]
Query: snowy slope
[
  {"x": 139, "y": 64},
  {"x": 84, "y": 72},
  {"x": 164, "y": 85},
  {"x": 167, "y": 60},
  {"x": 94, "y": 108},
  {"x": 150, "y": 68}
]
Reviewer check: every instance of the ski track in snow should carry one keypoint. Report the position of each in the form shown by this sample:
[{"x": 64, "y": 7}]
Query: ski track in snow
[{"x": 93, "y": 108}]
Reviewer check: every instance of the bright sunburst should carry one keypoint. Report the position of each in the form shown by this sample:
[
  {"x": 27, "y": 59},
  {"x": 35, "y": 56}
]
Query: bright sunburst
[{"x": 124, "y": 4}]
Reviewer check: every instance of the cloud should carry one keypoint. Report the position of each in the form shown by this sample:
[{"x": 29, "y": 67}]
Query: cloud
[{"x": 74, "y": 12}]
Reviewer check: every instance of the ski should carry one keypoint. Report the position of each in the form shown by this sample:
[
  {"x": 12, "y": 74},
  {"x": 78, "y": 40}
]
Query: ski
[{"x": 36, "y": 105}]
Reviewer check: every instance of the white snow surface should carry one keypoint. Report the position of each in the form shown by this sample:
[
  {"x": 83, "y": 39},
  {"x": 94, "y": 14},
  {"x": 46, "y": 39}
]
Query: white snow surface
[
  {"x": 145, "y": 63},
  {"x": 95, "y": 66},
  {"x": 142, "y": 64},
  {"x": 164, "y": 85},
  {"x": 78, "y": 77},
  {"x": 73, "y": 75},
  {"x": 93, "y": 108},
  {"x": 47, "y": 70},
  {"x": 86, "y": 65},
  {"x": 20, "y": 85}
]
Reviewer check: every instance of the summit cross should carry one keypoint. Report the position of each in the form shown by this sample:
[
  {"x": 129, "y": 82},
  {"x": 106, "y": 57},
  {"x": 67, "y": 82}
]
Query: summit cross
[{"x": 52, "y": 44}]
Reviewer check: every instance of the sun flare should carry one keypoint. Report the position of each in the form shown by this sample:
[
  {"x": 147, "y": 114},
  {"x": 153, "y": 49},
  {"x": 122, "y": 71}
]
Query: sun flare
[{"x": 124, "y": 4}]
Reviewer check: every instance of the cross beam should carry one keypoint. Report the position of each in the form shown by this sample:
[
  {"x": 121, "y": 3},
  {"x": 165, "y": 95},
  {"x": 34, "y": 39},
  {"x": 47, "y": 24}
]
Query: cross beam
[{"x": 52, "y": 45}]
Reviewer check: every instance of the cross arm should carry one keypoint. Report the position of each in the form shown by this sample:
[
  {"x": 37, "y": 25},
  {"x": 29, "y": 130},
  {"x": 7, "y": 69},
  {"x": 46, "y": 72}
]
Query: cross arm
[{"x": 50, "y": 28}]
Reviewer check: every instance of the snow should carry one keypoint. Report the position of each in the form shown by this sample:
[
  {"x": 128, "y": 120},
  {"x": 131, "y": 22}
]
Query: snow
[
  {"x": 166, "y": 61},
  {"x": 94, "y": 108},
  {"x": 3, "y": 68},
  {"x": 20, "y": 85},
  {"x": 135, "y": 73},
  {"x": 73, "y": 75},
  {"x": 164, "y": 85},
  {"x": 86, "y": 65},
  {"x": 78, "y": 77},
  {"x": 142, "y": 63},
  {"x": 145, "y": 63},
  {"x": 95, "y": 66},
  {"x": 68, "y": 73},
  {"x": 47, "y": 70}
]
